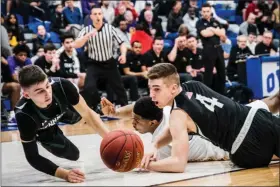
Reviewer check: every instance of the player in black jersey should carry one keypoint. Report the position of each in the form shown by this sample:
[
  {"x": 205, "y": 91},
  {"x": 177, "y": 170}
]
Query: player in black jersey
[
  {"x": 46, "y": 102},
  {"x": 252, "y": 136}
]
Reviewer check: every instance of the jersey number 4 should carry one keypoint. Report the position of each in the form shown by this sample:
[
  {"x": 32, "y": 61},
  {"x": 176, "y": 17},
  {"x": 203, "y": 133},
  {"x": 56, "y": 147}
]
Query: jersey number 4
[{"x": 209, "y": 103}]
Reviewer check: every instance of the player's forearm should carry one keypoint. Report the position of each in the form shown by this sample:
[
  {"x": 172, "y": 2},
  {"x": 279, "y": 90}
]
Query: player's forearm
[
  {"x": 93, "y": 119},
  {"x": 124, "y": 110},
  {"x": 170, "y": 164}
]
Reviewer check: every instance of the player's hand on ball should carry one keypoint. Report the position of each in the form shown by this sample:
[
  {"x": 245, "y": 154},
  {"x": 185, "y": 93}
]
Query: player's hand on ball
[
  {"x": 148, "y": 158},
  {"x": 107, "y": 107},
  {"x": 75, "y": 176}
]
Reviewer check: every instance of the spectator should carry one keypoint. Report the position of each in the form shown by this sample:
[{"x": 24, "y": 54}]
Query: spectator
[
  {"x": 131, "y": 23},
  {"x": 183, "y": 30},
  {"x": 252, "y": 42},
  {"x": 123, "y": 33},
  {"x": 134, "y": 66},
  {"x": 87, "y": 5},
  {"x": 141, "y": 36},
  {"x": 12, "y": 24},
  {"x": 18, "y": 60},
  {"x": 9, "y": 87},
  {"x": 266, "y": 47},
  {"x": 40, "y": 52},
  {"x": 49, "y": 62},
  {"x": 42, "y": 38},
  {"x": 249, "y": 26},
  {"x": 58, "y": 20},
  {"x": 194, "y": 58},
  {"x": 276, "y": 16},
  {"x": 150, "y": 26},
  {"x": 71, "y": 62},
  {"x": 175, "y": 18},
  {"x": 190, "y": 20},
  {"x": 178, "y": 56},
  {"x": 191, "y": 4},
  {"x": 142, "y": 6},
  {"x": 108, "y": 11},
  {"x": 252, "y": 8},
  {"x": 236, "y": 69},
  {"x": 148, "y": 6},
  {"x": 72, "y": 13},
  {"x": 124, "y": 6},
  {"x": 155, "y": 55}
]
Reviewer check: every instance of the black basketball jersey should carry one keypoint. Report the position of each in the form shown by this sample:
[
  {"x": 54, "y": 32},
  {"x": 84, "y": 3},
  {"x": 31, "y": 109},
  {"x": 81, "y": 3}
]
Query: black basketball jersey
[
  {"x": 218, "y": 117},
  {"x": 64, "y": 111}
]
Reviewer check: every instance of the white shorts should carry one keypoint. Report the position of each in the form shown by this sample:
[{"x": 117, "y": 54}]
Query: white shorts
[{"x": 258, "y": 104}]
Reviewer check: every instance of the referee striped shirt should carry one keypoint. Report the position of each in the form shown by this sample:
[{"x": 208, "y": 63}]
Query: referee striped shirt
[{"x": 100, "y": 46}]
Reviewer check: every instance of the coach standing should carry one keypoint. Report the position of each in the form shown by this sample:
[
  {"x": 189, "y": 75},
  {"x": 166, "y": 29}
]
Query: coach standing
[
  {"x": 209, "y": 30},
  {"x": 99, "y": 38}
]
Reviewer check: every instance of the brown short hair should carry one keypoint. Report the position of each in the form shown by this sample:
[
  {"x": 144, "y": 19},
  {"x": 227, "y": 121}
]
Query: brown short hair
[
  {"x": 164, "y": 70},
  {"x": 30, "y": 75}
]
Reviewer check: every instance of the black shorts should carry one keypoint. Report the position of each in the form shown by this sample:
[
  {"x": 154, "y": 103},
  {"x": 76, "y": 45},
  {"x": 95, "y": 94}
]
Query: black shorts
[{"x": 260, "y": 143}]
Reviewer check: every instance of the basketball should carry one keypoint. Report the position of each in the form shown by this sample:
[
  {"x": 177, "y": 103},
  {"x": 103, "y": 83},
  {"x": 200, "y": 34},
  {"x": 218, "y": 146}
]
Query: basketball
[{"x": 121, "y": 150}]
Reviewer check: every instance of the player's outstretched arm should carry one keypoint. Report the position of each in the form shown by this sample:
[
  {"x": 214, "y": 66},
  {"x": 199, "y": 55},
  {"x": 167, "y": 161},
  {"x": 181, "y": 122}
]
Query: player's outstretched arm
[
  {"x": 108, "y": 108},
  {"x": 91, "y": 117},
  {"x": 46, "y": 166},
  {"x": 180, "y": 145}
]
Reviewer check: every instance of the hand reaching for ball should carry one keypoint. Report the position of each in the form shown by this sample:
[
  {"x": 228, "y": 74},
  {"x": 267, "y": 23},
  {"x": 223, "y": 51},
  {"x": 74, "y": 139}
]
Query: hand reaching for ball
[
  {"x": 107, "y": 107},
  {"x": 75, "y": 176}
]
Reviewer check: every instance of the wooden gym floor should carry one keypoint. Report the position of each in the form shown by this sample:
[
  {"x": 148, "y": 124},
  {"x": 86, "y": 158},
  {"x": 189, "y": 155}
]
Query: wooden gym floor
[{"x": 250, "y": 177}]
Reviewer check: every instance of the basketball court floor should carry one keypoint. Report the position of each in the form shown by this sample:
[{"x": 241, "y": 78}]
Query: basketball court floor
[{"x": 16, "y": 171}]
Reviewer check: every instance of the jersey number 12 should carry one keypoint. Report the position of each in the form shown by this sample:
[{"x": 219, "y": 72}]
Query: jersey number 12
[{"x": 209, "y": 103}]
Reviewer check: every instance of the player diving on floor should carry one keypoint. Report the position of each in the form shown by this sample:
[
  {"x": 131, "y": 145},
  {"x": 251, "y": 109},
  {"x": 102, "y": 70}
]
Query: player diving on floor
[
  {"x": 45, "y": 102},
  {"x": 148, "y": 118},
  {"x": 250, "y": 135}
]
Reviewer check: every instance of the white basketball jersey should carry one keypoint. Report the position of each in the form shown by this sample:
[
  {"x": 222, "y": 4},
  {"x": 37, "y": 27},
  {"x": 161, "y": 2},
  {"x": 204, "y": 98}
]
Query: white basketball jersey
[{"x": 200, "y": 149}]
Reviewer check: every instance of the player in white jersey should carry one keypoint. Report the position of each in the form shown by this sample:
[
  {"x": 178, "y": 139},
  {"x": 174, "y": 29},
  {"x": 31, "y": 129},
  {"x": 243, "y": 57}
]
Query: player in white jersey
[{"x": 148, "y": 118}]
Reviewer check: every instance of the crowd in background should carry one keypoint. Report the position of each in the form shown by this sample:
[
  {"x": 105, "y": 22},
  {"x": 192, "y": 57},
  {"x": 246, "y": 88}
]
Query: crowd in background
[{"x": 42, "y": 32}]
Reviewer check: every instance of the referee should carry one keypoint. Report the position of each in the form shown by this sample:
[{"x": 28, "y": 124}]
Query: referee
[
  {"x": 210, "y": 31},
  {"x": 99, "y": 38}
]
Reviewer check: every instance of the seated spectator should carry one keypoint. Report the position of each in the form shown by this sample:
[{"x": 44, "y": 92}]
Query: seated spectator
[
  {"x": 71, "y": 62},
  {"x": 155, "y": 55},
  {"x": 18, "y": 60},
  {"x": 72, "y": 13},
  {"x": 152, "y": 28},
  {"x": 58, "y": 20},
  {"x": 86, "y": 6},
  {"x": 40, "y": 52},
  {"x": 42, "y": 38},
  {"x": 236, "y": 69},
  {"x": 249, "y": 26},
  {"x": 108, "y": 11},
  {"x": 125, "y": 5},
  {"x": 194, "y": 58},
  {"x": 276, "y": 16},
  {"x": 191, "y": 4},
  {"x": 131, "y": 23},
  {"x": 266, "y": 47},
  {"x": 134, "y": 66},
  {"x": 190, "y": 20},
  {"x": 9, "y": 87},
  {"x": 141, "y": 36},
  {"x": 183, "y": 30},
  {"x": 147, "y": 6},
  {"x": 49, "y": 62},
  {"x": 252, "y": 42},
  {"x": 252, "y": 8},
  {"x": 123, "y": 32},
  {"x": 12, "y": 38},
  {"x": 73, "y": 17},
  {"x": 175, "y": 18},
  {"x": 12, "y": 25},
  {"x": 178, "y": 57}
]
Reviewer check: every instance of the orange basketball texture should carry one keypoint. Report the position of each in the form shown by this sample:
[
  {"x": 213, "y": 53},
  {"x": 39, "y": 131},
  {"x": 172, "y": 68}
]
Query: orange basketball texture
[{"x": 121, "y": 150}]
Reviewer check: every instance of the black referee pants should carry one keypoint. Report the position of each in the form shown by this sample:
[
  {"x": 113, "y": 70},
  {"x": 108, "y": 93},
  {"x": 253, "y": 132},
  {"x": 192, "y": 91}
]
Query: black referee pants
[
  {"x": 214, "y": 57},
  {"x": 109, "y": 72}
]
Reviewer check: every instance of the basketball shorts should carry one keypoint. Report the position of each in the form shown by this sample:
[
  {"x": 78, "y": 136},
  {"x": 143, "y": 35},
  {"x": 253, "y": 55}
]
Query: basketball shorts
[{"x": 260, "y": 143}]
